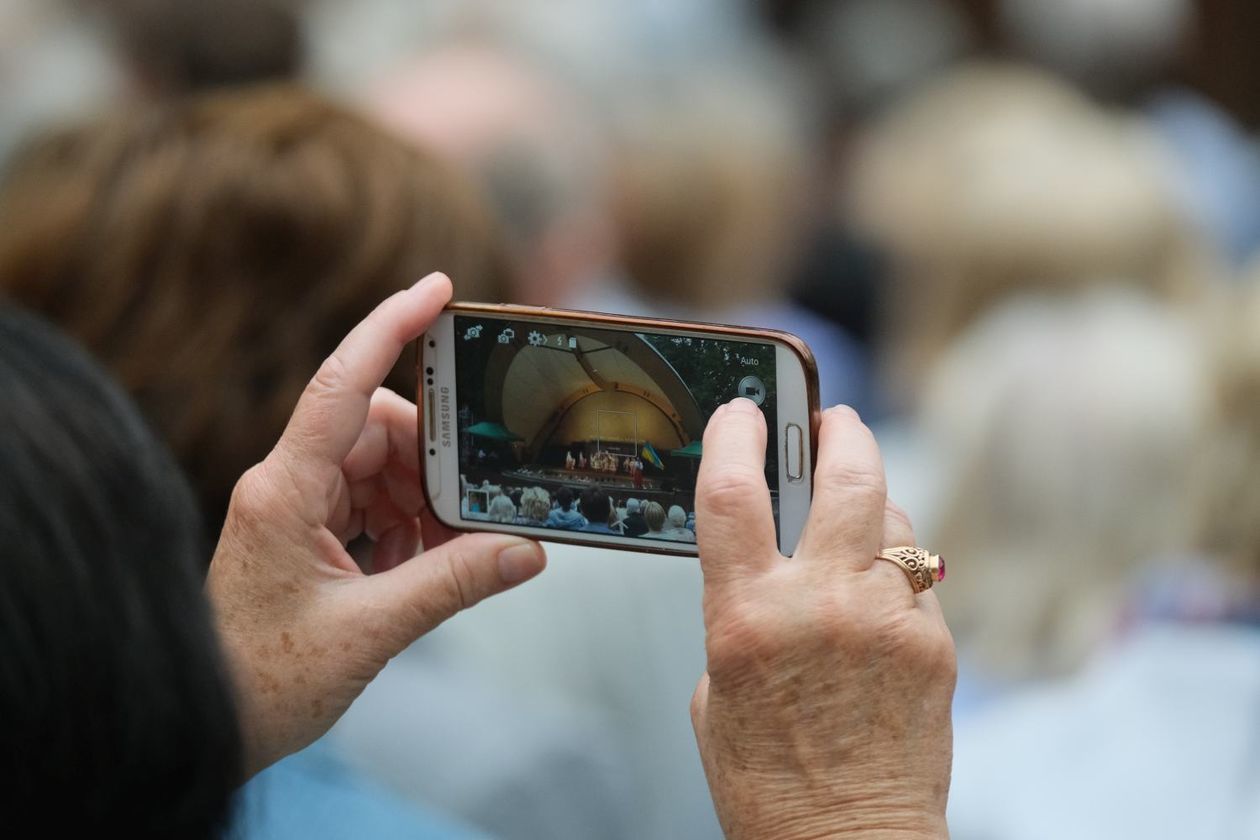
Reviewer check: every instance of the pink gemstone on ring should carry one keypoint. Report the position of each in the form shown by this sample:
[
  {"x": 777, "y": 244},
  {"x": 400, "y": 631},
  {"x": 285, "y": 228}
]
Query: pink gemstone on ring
[{"x": 940, "y": 569}]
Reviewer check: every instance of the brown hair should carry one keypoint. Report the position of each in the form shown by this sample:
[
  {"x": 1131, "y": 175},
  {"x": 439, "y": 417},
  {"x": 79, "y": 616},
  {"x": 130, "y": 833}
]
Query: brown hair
[
  {"x": 211, "y": 252},
  {"x": 654, "y": 516}
]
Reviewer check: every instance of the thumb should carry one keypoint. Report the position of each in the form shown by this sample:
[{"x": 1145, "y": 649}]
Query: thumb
[
  {"x": 420, "y": 594},
  {"x": 734, "y": 517}
]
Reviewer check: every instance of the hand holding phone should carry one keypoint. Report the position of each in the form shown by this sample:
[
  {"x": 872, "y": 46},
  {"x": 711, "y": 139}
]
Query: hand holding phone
[
  {"x": 824, "y": 710},
  {"x": 303, "y": 627},
  {"x": 587, "y": 428}
]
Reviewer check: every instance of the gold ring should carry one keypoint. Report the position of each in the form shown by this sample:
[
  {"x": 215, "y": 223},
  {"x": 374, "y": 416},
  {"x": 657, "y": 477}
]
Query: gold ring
[{"x": 921, "y": 567}]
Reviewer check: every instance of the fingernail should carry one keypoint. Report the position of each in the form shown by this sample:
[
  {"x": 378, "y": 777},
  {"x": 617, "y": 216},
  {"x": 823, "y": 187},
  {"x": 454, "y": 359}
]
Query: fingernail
[
  {"x": 520, "y": 561},
  {"x": 743, "y": 405},
  {"x": 844, "y": 409}
]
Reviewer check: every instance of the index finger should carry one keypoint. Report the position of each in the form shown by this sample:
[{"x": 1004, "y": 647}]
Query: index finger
[
  {"x": 332, "y": 410},
  {"x": 846, "y": 515}
]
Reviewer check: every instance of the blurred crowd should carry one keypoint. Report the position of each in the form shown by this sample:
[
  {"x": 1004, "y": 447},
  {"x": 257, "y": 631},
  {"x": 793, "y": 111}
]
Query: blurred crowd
[{"x": 1022, "y": 238}]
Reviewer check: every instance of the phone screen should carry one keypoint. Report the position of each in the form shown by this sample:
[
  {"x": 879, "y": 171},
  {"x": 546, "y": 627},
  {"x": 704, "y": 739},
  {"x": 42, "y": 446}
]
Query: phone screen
[{"x": 596, "y": 430}]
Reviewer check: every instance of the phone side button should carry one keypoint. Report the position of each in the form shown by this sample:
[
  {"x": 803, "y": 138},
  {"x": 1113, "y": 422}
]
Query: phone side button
[
  {"x": 794, "y": 451},
  {"x": 432, "y": 417}
]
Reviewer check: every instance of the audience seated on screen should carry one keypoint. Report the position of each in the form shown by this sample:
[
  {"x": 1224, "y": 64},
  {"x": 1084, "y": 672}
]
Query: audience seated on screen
[
  {"x": 535, "y": 506},
  {"x": 598, "y": 510},
  {"x": 633, "y": 524},
  {"x": 564, "y": 516},
  {"x": 501, "y": 507},
  {"x": 678, "y": 525},
  {"x": 655, "y": 519}
]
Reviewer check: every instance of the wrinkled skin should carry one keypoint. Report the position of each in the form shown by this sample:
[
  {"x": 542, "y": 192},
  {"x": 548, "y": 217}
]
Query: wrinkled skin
[
  {"x": 824, "y": 711},
  {"x": 304, "y": 627},
  {"x": 825, "y": 708}
]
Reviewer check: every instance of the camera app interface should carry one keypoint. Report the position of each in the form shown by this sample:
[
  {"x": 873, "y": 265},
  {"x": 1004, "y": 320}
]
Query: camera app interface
[{"x": 595, "y": 430}]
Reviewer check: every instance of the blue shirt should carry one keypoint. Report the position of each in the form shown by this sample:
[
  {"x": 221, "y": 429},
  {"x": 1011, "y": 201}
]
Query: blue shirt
[{"x": 569, "y": 520}]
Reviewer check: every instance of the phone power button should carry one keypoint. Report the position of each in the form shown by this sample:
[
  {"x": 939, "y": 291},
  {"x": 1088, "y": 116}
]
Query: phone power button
[{"x": 794, "y": 452}]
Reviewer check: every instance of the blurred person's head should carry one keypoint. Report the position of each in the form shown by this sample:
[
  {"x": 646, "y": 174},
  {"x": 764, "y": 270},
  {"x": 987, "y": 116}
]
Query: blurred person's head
[
  {"x": 1066, "y": 430},
  {"x": 115, "y": 709},
  {"x": 213, "y": 252},
  {"x": 712, "y": 188},
  {"x": 177, "y": 47},
  {"x": 1112, "y": 47},
  {"x": 536, "y": 151},
  {"x": 997, "y": 180},
  {"x": 864, "y": 52},
  {"x": 654, "y": 516},
  {"x": 53, "y": 67}
]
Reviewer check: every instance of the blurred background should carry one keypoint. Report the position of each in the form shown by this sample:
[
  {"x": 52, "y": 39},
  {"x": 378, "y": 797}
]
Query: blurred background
[{"x": 1021, "y": 237}]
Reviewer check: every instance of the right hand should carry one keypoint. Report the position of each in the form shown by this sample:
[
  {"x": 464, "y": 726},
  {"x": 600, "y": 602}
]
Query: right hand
[{"x": 825, "y": 708}]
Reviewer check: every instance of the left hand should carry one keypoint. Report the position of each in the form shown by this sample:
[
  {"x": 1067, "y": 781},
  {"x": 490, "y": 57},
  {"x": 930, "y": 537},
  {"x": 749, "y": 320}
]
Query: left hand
[{"x": 304, "y": 628}]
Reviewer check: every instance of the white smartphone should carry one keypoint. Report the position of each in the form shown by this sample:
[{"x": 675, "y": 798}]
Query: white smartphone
[{"x": 587, "y": 428}]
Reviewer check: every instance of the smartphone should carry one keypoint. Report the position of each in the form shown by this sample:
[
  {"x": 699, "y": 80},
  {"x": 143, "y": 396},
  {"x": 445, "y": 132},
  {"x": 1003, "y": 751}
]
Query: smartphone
[{"x": 588, "y": 428}]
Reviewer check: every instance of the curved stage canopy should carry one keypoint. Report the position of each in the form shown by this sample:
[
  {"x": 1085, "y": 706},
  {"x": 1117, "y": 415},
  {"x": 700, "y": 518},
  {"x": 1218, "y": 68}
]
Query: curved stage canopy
[{"x": 590, "y": 389}]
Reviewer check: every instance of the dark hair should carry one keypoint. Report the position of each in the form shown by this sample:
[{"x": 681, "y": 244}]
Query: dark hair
[
  {"x": 595, "y": 505},
  {"x": 115, "y": 710},
  {"x": 181, "y": 46},
  {"x": 564, "y": 496},
  {"x": 212, "y": 252}
]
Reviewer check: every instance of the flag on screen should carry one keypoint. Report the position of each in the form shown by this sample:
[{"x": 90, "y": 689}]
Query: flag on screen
[{"x": 649, "y": 455}]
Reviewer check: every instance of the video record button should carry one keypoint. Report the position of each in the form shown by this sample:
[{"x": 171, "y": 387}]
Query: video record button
[{"x": 752, "y": 388}]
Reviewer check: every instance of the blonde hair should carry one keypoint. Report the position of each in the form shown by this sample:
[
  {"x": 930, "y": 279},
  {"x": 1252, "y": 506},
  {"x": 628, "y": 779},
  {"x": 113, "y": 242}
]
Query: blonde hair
[
  {"x": 1068, "y": 431},
  {"x": 535, "y": 503},
  {"x": 998, "y": 180}
]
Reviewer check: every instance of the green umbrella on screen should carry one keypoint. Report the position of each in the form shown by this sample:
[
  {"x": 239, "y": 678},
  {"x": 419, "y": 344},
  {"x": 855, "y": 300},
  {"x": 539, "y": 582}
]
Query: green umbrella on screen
[
  {"x": 492, "y": 431},
  {"x": 691, "y": 450}
]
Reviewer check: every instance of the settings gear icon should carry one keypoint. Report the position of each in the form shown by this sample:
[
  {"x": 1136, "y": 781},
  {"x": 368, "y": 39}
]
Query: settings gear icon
[{"x": 536, "y": 339}]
